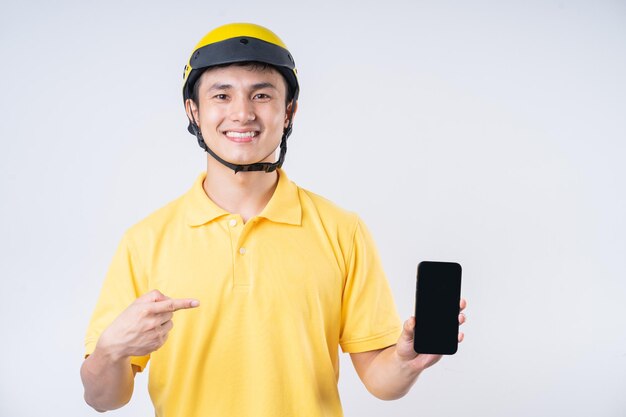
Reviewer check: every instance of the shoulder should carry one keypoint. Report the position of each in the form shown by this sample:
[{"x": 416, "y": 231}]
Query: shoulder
[
  {"x": 328, "y": 212},
  {"x": 156, "y": 223},
  {"x": 174, "y": 215}
]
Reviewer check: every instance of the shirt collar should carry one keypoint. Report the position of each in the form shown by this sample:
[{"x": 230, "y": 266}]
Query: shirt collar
[
  {"x": 283, "y": 207},
  {"x": 200, "y": 209}
]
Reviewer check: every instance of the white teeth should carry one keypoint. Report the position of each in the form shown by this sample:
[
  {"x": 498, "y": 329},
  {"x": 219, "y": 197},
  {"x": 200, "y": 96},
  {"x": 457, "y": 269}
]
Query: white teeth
[{"x": 241, "y": 134}]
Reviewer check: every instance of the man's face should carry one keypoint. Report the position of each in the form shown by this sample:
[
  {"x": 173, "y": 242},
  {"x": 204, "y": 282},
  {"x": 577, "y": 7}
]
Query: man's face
[{"x": 241, "y": 112}]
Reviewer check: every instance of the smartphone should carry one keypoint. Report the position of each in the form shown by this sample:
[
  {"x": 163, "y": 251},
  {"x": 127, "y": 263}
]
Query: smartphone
[{"x": 437, "y": 307}]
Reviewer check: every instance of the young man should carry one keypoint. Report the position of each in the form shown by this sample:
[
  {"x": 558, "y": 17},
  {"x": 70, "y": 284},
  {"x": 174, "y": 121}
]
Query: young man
[{"x": 274, "y": 277}]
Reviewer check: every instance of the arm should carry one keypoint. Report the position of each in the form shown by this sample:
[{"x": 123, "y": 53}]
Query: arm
[
  {"x": 391, "y": 372},
  {"x": 108, "y": 381},
  {"x": 107, "y": 374}
]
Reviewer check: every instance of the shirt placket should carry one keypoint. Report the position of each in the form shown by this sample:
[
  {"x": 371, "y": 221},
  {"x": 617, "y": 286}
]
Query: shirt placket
[{"x": 240, "y": 253}]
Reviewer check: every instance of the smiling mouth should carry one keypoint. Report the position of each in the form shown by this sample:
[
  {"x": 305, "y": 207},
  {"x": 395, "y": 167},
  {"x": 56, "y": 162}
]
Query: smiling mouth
[{"x": 241, "y": 136}]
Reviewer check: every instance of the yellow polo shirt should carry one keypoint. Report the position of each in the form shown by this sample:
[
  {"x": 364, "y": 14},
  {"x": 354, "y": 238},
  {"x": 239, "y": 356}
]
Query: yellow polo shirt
[{"x": 278, "y": 296}]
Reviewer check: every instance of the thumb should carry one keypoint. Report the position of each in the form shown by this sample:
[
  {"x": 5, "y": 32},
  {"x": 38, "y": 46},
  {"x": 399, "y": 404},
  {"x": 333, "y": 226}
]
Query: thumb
[
  {"x": 153, "y": 296},
  {"x": 408, "y": 330}
]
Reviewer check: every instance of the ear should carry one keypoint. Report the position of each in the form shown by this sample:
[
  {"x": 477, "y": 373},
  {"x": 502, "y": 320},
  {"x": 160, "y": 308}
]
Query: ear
[
  {"x": 192, "y": 111},
  {"x": 290, "y": 112}
]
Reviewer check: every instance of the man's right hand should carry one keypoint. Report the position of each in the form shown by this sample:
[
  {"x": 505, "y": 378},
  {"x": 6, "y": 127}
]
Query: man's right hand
[{"x": 143, "y": 327}]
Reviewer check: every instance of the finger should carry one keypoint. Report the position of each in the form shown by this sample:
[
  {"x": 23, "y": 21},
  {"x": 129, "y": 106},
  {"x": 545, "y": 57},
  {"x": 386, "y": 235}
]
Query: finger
[
  {"x": 462, "y": 318},
  {"x": 160, "y": 336},
  {"x": 408, "y": 329},
  {"x": 463, "y": 304},
  {"x": 153, "y": 296},
  {"x": 164, "y": 317},
  {"x": 461, "y": 336},
  {"x": 175, "y": 304},
  {"x": 167, "y": 326}
]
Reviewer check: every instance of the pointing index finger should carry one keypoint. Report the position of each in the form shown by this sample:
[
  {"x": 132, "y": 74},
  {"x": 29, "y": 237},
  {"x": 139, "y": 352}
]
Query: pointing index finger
[{"x": 175, "y": 304}]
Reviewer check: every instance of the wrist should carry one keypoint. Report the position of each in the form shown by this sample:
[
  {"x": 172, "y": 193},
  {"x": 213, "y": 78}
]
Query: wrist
[
  {"x": 111, "y": 353},
  {"x": 408, "y": 367}
]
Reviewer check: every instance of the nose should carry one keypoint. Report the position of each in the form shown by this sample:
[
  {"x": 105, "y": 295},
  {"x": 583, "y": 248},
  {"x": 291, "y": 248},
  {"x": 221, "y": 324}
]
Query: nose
[{"x": 242, "y": 110}]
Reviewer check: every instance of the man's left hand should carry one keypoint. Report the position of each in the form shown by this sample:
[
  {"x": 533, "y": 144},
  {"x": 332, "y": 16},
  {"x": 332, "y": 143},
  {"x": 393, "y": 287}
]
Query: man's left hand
[{"x": 404, "y": 347}]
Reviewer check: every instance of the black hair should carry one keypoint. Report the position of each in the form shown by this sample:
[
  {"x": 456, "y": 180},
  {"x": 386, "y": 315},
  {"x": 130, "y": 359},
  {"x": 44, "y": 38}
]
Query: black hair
[{"x": 253, "y": 66}]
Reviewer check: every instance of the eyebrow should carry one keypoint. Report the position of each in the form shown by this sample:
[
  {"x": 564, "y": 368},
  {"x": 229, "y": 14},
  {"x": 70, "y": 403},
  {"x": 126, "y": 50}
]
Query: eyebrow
[
  {"x": 257, "y": 86},
  {"x": 218, "y": 86}
]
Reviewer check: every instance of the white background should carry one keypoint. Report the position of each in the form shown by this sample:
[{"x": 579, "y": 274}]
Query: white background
[{"x": 488, "y": 133}]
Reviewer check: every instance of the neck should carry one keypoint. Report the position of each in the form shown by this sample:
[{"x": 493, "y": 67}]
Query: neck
[{"x": 244, "y": 193}]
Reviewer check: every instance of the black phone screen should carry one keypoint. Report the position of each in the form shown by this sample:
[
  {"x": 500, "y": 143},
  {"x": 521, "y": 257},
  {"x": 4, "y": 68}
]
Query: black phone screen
[{"x": 437, "y": 307}]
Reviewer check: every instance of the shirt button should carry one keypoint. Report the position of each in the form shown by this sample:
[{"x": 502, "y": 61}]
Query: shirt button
[
  {"x": 242, "y": 251},
  {"x": 232, "y": 222}
]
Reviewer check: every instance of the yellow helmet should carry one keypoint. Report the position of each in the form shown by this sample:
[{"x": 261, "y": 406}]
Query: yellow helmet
[{"x": 241, "y": 42}]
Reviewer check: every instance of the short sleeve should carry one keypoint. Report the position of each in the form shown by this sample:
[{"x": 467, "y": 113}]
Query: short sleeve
[
  {"x": 123, "y": 284},
  {"x": 369, "y": 318}
]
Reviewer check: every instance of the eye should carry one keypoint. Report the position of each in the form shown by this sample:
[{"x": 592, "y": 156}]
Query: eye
[
  {"x": 220, "y": 96},
  {"x": 261, "y": 96}
]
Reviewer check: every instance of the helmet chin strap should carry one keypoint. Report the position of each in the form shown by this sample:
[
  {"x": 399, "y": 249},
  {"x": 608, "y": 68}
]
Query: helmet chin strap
[{"x": 258, "y": 166}]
